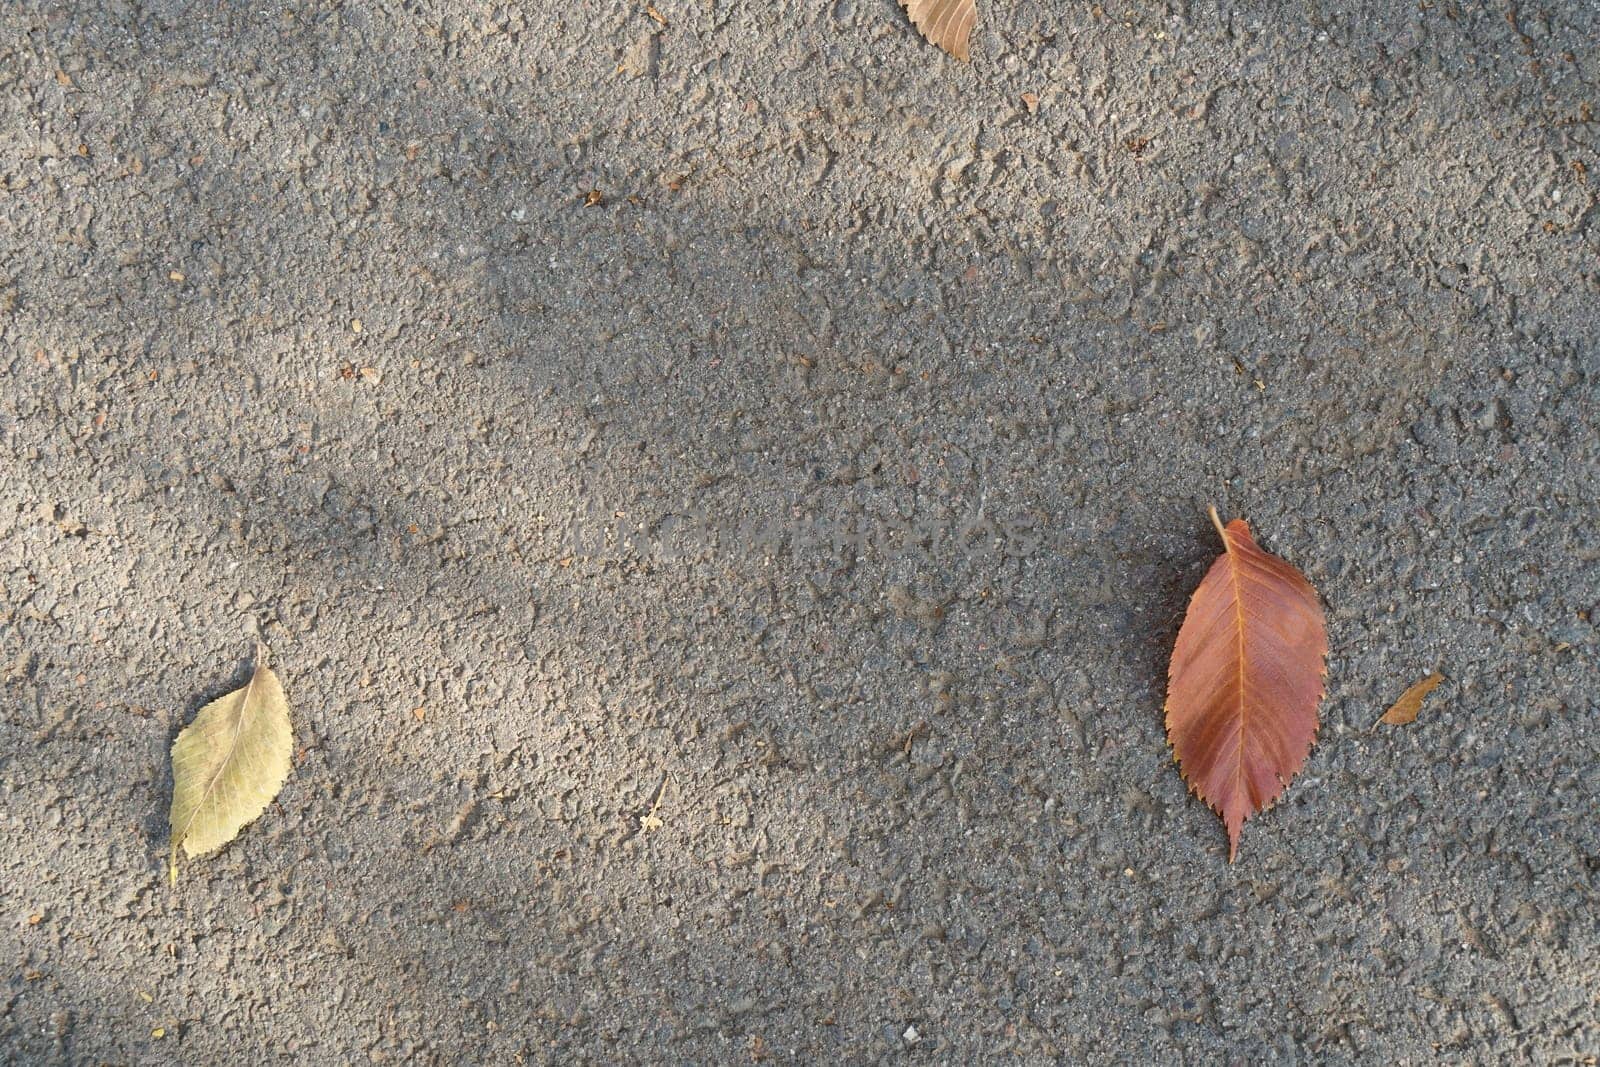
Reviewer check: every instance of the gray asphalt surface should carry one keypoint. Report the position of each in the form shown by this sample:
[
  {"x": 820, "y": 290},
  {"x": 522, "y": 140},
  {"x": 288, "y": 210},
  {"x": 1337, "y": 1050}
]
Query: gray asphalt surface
[{"x": 720, "y": 492}]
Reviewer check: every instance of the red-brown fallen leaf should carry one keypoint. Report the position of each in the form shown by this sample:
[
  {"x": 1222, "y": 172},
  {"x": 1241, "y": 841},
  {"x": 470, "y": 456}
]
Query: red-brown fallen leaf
[
  {"x": 1245, "y": 680},
  {"x": 1410, "y": 703},
  {"x": 946, "y": 23}
]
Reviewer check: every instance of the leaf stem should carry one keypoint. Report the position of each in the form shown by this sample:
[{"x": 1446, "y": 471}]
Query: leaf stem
[{"x": 1217, "y": 522}]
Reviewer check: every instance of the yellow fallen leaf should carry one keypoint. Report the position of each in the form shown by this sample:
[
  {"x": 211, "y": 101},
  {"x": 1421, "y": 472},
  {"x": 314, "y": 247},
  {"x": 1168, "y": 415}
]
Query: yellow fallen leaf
[
  {"x": 159, "y": 1032},
  {"x": 1410, "y": 703},
  {"x": 946, "y": 23},
  {"x": 228, "y": 764}
]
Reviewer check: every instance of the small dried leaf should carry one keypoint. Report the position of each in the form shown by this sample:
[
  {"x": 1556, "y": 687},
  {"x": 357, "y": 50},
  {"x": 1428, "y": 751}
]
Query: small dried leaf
[
  {"x": 1245, "y": 680},
  {"x": 1405, "y": 709},
  {"x": 946, "y": 23},
  {"x": 228, "y": 764}
]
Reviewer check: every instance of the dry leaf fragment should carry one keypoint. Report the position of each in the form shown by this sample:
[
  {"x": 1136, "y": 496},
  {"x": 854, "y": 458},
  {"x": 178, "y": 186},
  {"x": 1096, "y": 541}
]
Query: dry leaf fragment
[
  {"x": 1245, "y": 680},
  {"x": 946, "y": 23},
  {"x": 228, "y": 764},
  {"x": 1405, "y": 709},
  {"x": 652, "y": 821}
]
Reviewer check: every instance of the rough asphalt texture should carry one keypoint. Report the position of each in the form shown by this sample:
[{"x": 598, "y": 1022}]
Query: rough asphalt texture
[{"x": 309, "y": 329}]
